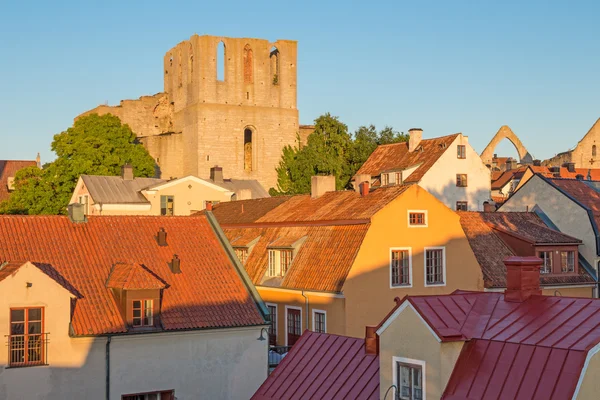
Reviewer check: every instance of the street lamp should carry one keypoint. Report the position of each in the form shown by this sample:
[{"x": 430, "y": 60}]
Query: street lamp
[{"x": 262, "y": 339}]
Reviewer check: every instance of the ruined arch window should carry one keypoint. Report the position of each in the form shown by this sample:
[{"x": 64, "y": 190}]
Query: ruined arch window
[
  {"x": 221, "y": 61},
  {"x": 274, "y": 62},
  {"x": 594, "y": 151},
  {"x": 248, "y": 143},
  {"x": 248, "y": 68}
]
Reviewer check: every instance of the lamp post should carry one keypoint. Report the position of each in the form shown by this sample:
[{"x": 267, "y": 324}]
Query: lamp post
[{"x": 262, "y": 339}]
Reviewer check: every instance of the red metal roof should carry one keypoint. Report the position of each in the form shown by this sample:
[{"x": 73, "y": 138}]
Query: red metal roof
[
  {"x": 322, "y": 366},
  {"x": 208, "y": 293}
]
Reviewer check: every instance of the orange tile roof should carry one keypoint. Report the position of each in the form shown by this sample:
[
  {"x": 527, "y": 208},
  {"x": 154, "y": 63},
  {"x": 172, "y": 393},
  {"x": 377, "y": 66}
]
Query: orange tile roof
[
  {"x": 133, "y": 276},
  {"x": 507, "y": 176},
  {"x": 323, "y": 260},
  {"x": 397, "y": 157},
  {"x": 246, "y": 211},
  {"x": 8, "y": 168},
  {"x": 208, "y": 293}
]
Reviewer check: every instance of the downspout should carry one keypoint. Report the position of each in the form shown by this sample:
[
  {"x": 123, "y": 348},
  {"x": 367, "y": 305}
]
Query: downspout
[
  {"x": 307, "y": 316},
  {"x": 108, "y": 340}
]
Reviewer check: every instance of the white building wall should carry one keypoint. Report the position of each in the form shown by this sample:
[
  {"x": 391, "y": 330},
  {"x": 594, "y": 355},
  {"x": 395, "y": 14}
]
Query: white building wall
[
  {"x": 440, "y": 180},
  {"x": 210, "y": 364}
]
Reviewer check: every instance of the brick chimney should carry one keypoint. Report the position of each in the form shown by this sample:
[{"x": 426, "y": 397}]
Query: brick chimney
[
  {"x": 360, "y": 178},
  {"x": 364, "y": 188},
  {"x": 371, "y": 341},
  {"x": 216, "y": 174},
  {"x": 127, "y": 172},
  {"x": 321, "y": 184},
  {"x": 415, "y": 136},
  {"x": 489, "y": 206},
  {"x": 522, "y": 278}
]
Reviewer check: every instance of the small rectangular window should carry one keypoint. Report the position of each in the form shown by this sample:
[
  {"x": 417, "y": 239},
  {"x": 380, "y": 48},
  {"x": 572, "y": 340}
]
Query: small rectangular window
[
  {"x": 434, "y": 266},
  {"x": 272, "y": 325},
  {"x": 417, "y": 218},
  {"x": 461, "y": 180},
  {"x": 567, "y": 261},
  {"x": 279, "y": 262},
  {"x": 546, "y": 257},
  {"x": 400, "y": 267},
  {"x": 285, "y": 260},
  {"x": 462, "y": 206},
  {"x": 319, "y": 322},
  {"x": 242, "y": 254},
  {"x": 84, "y": 199},
  {"x": 461, "y": 151},
  {"x": 26, "y": 339},
  {"x": 385, "y": 179},
  {"x": 398, "y": 178},
  {"x": 142, "y": 313},
  {"x": 410, "y": 381},
  {"x": 167, "y": 205}
]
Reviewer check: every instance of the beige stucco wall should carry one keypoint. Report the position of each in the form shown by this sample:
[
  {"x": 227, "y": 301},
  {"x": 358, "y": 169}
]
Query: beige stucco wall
[
  {"x": 212, "y": 364},
  {"x": 369, "y": 296},
  {"x": 408, "y": 337},
  {"x": 590, "y": 386},
  {"x": 440, "y": 179},
  {"x": 587, "y": 292},
  {"x": 333, "y": 305},
  {"x": 568, "y": 216}
]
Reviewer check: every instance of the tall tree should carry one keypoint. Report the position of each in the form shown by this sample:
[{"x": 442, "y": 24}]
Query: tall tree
[{"x": 94, "y": 145}]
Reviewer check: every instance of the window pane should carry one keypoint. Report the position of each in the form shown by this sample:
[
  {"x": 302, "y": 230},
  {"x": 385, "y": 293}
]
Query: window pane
[
  {"x": 137, "y": 313},
  {"x": 35, "y": 327},
  {"x": 35, "y": 314},
  {"x": 17, "y": 328},
  {"x": 137, "y": 322},
  {"x": 137, "y": 304},
  {"x": 17, "y": 315}
]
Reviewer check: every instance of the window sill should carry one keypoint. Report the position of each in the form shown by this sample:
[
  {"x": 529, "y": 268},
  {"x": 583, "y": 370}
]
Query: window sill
[
  {"x": 26, "y": 366},
  {"x": 404, "y": 286},
  {"x": 435, "y": 284}
]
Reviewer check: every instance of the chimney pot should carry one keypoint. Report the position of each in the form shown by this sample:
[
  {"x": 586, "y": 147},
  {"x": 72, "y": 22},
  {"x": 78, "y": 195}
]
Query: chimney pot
[
  {"x": 522, "y": 278},
  {"x": 364, "y": 188},
  {"x": 360, "y": 178},
  {"x": 127, "y": 172},
  {"x": 321, "y": 184},
  {"x": 489, "y": 206},
  {"x": 161, "y": 237},
  {"x": 209, "y": 206},
  {"x": 415, "y": 136},
  {"x": 76, "y": 212},
  {"x": 216, "y": 174},
  {"x": 175, "y": 264},
  {"x": 371, "y": 341}
]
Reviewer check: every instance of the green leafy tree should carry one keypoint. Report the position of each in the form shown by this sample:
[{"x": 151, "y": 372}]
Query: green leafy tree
[{"x": 94, "y": 145}]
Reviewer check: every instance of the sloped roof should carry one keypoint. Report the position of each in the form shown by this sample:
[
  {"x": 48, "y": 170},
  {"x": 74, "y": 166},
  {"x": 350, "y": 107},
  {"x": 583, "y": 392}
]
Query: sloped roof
[
  {"x": 397, "y": 157},
  {"x": 208, "y": 293},
  {"x": 490, "y": 250},
  {"x": 116, "y": 190},
  {"x": 584, "y": 192},
  {"x": 507, "y": 176},
  {"x": 246, "y": 211},
  {"x": 322, "y": 262},
  {"x": 539, "y": 345},
  {"x": 587, "y": 173},
  {"x": 324, "y": 366},
  {"x": 8, "y": 169},
  {"x": 133, "y": 276}
]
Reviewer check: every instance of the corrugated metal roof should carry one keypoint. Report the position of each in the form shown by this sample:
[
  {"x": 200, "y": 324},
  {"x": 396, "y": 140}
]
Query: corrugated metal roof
[
  {"x": 322, "y": 366},
  {"x": 116, "y": 190}
]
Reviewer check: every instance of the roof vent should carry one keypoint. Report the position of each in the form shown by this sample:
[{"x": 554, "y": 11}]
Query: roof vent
[
  {"x": 161, "y": 237},
  {"x": 175, "y": 264},
  {"x": 76, "y": 212}
]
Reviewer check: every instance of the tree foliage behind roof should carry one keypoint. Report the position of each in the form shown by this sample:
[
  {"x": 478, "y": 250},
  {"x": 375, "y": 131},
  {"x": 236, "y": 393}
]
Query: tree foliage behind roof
[
  {"x": 94, "y": 145},
  {"x": 330, "y": 150}
]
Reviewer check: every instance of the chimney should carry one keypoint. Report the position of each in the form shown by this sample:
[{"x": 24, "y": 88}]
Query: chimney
[
  {"x": 360, "y": 178},
  {"x": 489, "y": 206},
  {"x": 571, "y": 167},
  {"x": 554, "y": 170},
  {"x": 415, "y": 136},
  {"x": 537, "y": 163},
  {"x": 579, "y": 177},
  {"x": 127, "y": 172},
  {"x": 175, "y": 264},
  {"x": 38, "y": 161},
  {"x": 522, "y": 278},
  {"x": 209, "y": 206},
  {"x": 321, "y": 184},
  {"x": 216, "y": 174},
  {"x": 364, "y": 188},
  {"x": 371, "y": 341},
  {"x": 243, "y": 194},
  {"x": 76, "y": 212},
  {"x": 508, "y": 164},
  {"x": 161, "y": 237}
]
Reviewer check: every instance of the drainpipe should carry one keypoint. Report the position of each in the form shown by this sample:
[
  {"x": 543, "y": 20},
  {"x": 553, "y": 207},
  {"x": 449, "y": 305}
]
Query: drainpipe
[
  {"x": 108, "y": 367},
  {"x": 307, "y": 315}
]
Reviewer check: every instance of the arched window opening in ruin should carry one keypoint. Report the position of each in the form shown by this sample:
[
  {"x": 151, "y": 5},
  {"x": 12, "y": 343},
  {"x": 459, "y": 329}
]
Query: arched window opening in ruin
[
  {"x": 248, "y": 149},
  {"x": 221, "y": 61},
  {"x": 248, "y": 67},
  {"x": 274, "y": 61},
  {"x": 594, "y": 151}
]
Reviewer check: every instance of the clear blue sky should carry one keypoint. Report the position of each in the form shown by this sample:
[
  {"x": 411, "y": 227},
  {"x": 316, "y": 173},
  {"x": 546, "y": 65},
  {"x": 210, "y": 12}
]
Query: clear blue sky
[{"x": 443, "y": 66}]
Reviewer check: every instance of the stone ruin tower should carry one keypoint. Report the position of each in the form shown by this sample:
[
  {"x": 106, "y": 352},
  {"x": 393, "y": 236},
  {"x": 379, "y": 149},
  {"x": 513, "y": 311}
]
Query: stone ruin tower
[{"x": 238, "y": 115}]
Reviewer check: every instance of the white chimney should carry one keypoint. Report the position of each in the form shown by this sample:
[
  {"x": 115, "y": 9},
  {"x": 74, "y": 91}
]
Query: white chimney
[
  {"x": 319, "y": 185},
  {"x": 415, "y": 136}
]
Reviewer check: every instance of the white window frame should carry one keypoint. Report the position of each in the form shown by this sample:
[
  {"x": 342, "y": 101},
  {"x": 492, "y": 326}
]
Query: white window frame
[
  {"x": 314, "y": 311},
  {"x": 408, "y": 212},
  {"x": 443, "y": 248},
  {"x": 420, "y": 363},
  {"x": 286, "y": 321},
  {"x": 277, "y": 262},
  {"x": 410, "y": 268},
  {"x": 86, "y": 209},
  {"x": 276, "y": 318}
]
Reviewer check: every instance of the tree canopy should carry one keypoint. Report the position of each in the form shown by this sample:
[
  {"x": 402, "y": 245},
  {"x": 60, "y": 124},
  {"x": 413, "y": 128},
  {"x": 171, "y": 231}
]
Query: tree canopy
[
  {"x": 94, "y": 145},
  {"x": 330, "y": 150}
]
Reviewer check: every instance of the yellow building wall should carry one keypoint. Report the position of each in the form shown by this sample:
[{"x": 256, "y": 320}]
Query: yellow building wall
[
  {"x": 408, "y": 337},
  {"x": 331, "y": 304},
  {"x": 587, "y": 292},
  {"x": 590, "y": 386},
  {"x": 368, "y": 291}
]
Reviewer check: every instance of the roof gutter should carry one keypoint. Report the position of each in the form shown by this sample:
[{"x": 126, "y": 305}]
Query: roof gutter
[{"x": 260, "y": 304}]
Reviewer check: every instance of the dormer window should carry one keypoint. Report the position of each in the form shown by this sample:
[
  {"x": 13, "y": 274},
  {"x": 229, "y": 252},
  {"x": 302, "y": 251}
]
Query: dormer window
[
  {"x": 567, "y": 262},
  {"x": 242, "y": 254},
  {"x": 385, "y": 179},
  {"x": 280, "y": 261},
  {"x": 143, "y": 313}
]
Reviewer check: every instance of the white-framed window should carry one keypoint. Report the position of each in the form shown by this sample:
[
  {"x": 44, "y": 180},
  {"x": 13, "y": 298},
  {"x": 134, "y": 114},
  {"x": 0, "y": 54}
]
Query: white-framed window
[
  {"x": 417, "y": 218},
  {"x": 293, "y": 324},
  {"x": 85, "y": 200},
  {"x": 435, "y": 266},
  {"x": 272, "y": 323},
  {"x": 567, "y": 261},
  {"x": 142, "y": 312},
  {"x": 400, "y": 267},
  {"x": 546, "y": 257},
  {"x": 241, "y": 253},
  {"x": 398, "y": 178},
  {"x": 409, "y": 378},
  {"x": 280, "y": 261},
  {"x": 319, "y": 319},
  {"x": 385, "y": 179}
]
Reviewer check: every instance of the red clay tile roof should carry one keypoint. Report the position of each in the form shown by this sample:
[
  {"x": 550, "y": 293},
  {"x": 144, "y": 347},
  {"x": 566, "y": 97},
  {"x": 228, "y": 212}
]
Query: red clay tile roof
[
  {"x": 322, "y": 262},
  {"x": 208, "y": 293},
  {"x": 246, "y": 211},
  {"x": 8, "y": 168},
  {"x": 539, "y": 345},
  {"x": 490, "y": 250},
  {"x": 397, "y": 157},
  {"x": 324, "y": 366},
  {"x": 582, "y": 191},
  {"x": 507, "y": 176},
  {"x": 587, "y": 173},
  {"x": 133, "y": 276}
]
